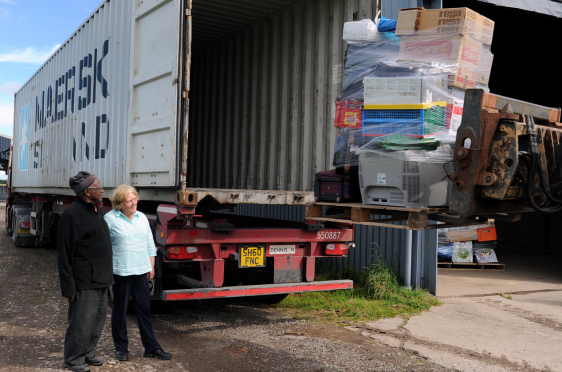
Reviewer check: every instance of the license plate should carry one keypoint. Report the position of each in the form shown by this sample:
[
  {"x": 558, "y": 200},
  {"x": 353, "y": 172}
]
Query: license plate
[
  {"x": 282, "y": 249},
  {"x": 24, "y": 231},
  {"x": 252, "y": 256}
]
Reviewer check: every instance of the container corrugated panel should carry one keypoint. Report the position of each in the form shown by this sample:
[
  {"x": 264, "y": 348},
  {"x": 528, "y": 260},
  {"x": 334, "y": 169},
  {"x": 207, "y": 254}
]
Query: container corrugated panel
[
  {"x": 105, "y": 103},
  {"x": 390, "y": 8},
  {"x": 371, "y": 244},
  {"x": 261, "y": 106}
]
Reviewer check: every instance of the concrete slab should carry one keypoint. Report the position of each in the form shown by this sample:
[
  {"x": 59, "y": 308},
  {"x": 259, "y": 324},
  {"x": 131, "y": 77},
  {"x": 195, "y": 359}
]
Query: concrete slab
[
  {"x": 387, "y": 340},
  {"x": 525, "y": 332},
  {"x": 452, "y": 360},
  {"x": 524, "y": 271},
  {"x": 385, "y": 324}
]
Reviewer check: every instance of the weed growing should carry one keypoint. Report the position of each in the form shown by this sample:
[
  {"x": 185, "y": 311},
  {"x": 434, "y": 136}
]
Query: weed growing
[{"x": 377, "y": 293}]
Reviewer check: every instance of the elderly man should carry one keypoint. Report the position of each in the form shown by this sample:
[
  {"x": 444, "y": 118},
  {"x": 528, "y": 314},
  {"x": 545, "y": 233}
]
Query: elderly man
[{"x": 85, "y": 268}]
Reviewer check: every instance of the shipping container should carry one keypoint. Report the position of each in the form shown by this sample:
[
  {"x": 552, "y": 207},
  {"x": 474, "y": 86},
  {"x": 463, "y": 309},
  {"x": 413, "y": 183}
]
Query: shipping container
[
  {"x": 249, "y": 121},
  {"x": 122, "y": 99}
]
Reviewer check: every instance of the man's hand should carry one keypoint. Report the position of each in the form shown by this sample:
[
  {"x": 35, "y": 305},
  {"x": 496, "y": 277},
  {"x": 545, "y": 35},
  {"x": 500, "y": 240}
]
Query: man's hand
[
  {"x": 71, "y": 298},
  {"x": 150, "y": 275}
]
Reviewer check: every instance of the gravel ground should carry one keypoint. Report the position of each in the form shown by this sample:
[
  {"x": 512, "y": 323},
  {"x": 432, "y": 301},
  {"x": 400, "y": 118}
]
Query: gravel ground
[{"x": 216, "y": 335}]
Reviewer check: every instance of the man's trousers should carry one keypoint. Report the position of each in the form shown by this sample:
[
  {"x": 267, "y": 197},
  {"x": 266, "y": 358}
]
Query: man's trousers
[{"x": 86, "y": 318}]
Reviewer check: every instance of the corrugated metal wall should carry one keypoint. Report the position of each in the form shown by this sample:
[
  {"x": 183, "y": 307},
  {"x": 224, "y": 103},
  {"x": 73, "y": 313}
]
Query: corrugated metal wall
[
  {"x": 261, "y": 101},
  {"x": 72, "y": 114},
  {"x": 390, "y": 8},
  {"x": 371, "y": 243}
]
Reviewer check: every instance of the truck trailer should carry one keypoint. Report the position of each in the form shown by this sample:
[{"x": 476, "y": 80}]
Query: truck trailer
[{"x": 116, "y": 100}]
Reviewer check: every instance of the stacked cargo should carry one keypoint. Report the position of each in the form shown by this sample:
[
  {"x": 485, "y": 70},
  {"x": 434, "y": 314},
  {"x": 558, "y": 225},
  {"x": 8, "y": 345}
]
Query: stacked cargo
[
  {"x": 402, "y": 99},
  {"x": 474, "y": 245}
]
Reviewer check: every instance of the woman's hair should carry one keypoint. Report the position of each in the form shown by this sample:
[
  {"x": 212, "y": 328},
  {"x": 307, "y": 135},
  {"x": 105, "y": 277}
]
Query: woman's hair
[{"x": 120, "y": 196}]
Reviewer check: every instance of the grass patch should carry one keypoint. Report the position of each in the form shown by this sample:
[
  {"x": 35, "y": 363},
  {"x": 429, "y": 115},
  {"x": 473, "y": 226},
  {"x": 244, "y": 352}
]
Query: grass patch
[{"x": 377, "y": 293}]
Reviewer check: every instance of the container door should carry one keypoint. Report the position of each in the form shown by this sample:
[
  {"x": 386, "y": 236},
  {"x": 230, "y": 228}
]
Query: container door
[{"x": 154, "y": 89}]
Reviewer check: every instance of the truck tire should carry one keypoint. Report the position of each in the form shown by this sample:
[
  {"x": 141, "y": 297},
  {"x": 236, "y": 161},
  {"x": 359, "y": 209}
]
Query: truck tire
[
  {"x": 9, "y": 229},
  {"x": 270, "y": 299}
]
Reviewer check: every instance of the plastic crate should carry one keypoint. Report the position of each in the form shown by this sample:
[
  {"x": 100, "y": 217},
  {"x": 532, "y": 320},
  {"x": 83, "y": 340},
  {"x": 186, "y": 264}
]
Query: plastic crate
[{"x": 413, "y": 120}]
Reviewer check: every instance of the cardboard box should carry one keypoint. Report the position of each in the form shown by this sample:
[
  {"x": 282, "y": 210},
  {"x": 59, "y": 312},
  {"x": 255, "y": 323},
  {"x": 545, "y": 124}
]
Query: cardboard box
[
  {"x": 403, "y": 91},
  {"x": 468, "y": 60},
  {"x": 460, "y": 21}
]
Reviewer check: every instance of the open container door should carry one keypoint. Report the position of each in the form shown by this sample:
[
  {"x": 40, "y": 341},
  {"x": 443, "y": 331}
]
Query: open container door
[{"x": 154, "y": 92}]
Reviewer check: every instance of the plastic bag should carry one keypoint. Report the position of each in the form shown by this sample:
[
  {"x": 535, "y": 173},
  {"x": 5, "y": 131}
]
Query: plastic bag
[
  {"x": 445, "y": 252},
  {"x": 386, "y": 25},
  {"x": 462, "y": 252},
  {"x": 485, "y": 255}
]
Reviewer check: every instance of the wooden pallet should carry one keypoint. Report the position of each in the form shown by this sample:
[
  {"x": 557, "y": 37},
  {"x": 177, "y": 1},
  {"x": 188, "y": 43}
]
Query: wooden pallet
[
  {"x": 356, "y": 213},
  {"x": 496, "y": 266}
]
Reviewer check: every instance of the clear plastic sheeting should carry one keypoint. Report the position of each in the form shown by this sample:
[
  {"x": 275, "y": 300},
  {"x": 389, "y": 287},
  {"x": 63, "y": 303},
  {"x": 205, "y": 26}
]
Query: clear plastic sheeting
[
  {"x": 401, "y": 145},
  {"x": 465, "y": 61}
]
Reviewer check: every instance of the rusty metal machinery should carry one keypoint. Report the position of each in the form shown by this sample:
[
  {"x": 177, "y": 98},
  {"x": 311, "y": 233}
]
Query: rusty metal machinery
[{"x": 507, "y": 158}]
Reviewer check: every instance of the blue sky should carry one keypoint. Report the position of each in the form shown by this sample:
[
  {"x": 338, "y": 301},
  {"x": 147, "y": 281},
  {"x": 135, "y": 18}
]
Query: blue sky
[{"x": 30, "y": 31}]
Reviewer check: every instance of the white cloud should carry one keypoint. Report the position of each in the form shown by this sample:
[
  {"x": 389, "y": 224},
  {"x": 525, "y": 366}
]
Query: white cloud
[
  {"x": 6, "y": 119},
  {"x": 10, "y": 87},
  {"x": 8, "y": 1},
  {"x": 29, "y": 55},
  {"x": 4, "y": 13}
]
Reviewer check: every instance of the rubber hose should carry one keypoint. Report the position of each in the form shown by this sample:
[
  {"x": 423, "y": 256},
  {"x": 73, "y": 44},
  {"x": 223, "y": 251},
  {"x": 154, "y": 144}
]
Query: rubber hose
[
  {"x": 544, "y": 182},
  {"x": 532, "y": 173}
]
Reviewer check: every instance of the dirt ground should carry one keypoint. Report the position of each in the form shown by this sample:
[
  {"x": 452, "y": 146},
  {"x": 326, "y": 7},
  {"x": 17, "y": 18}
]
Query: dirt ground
[{"x": 225, "y": 335}]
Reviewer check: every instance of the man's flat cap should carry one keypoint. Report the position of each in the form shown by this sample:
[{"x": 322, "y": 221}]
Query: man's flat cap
[{"x": 81, "y": 181}]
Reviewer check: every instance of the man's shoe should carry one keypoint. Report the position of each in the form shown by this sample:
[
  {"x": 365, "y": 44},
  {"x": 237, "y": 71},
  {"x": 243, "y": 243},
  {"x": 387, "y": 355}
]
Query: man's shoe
[
  {"x": 122, "y": 355},
  {"x": 82, "y": 368},
  {"x": 158, "y": 353},
  {"x": 95, "y": 361}
]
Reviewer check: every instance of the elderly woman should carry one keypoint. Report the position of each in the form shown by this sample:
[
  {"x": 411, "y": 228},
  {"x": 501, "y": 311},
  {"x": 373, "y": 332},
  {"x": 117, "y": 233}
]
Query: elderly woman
[{"x": 133, "y": 267}]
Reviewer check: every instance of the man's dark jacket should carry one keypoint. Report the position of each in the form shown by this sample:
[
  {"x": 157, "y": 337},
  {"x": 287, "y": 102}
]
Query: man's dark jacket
[{"x": 84, "y": 251}]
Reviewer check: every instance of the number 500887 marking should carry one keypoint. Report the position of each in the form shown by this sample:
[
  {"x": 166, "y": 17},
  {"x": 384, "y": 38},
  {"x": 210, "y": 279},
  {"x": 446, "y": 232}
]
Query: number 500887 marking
[{"x": 328, "y": 235}]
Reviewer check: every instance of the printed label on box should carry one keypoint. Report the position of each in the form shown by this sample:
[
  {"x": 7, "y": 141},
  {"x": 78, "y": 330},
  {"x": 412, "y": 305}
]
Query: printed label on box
[
  {"x": 351, "y": 118},
  {"x": 429, "y": 49},
  {"x": 470, "y": 56},
  {"x": 381, "y": 178}
]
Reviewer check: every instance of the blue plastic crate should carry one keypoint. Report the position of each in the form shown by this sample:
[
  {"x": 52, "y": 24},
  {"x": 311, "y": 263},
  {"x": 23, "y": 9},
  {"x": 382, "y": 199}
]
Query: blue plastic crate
[
  {"x": 414, "y": 129},
  {"x": 378, "y": 122}
]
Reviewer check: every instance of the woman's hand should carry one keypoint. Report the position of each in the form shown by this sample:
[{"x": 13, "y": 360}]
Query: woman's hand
[{"x": 150, "y": 275}]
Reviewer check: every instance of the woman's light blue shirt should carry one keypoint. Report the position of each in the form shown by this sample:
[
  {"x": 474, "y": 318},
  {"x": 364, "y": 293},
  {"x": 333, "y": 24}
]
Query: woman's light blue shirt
[{"x": 132, "y": 243}]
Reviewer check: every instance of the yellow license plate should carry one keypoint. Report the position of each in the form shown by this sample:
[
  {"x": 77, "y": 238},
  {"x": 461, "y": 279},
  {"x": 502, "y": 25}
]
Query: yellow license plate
[
  {"x": 23, "y": 231},
  {"x": 252, "y": 256}
]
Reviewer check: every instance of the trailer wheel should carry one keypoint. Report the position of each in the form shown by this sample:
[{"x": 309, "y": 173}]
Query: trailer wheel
[
  {"x": 9, "y": 229},
  {"x": 270, "y": 299}
]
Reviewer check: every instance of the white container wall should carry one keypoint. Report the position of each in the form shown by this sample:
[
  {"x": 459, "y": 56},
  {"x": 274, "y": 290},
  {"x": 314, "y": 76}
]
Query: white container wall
[
  {"x": 261, "y": 100},
  {"x": 105, "y": 103}
]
